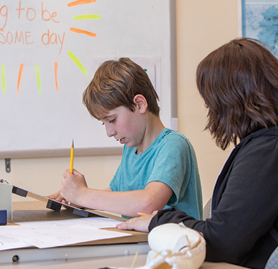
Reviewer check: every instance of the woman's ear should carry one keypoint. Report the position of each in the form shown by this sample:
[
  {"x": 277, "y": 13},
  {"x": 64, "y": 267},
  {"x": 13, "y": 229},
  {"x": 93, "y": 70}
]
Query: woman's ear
[{"x": 140, "y": 102}]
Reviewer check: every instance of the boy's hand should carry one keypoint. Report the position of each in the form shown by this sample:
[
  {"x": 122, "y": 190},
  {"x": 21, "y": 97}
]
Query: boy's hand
[
  {"x": 140, "y": 224},
  {"x": 73, "y": 187}
]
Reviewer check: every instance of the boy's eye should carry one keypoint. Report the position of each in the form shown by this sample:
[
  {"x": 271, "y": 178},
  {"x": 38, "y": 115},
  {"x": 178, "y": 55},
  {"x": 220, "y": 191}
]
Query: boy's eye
[{"x": 110, "y": 121}]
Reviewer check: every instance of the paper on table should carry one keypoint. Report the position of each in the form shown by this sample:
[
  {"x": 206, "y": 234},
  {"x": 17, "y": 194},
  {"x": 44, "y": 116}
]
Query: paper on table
[
  {"x": 100, "y": 222},
  {"x": 43, "y": 236},
  {"x": 7, "y": 242},
  {"x": 94, "y": 222}
]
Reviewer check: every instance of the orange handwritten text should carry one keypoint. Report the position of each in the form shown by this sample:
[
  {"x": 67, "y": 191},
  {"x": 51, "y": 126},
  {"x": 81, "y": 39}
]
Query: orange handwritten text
[
  {"x": 18, "y": 37},
  {"x": 29, "y": 15},
  {"x": 48, "y": 39},
  {"x": 50, "y": 15},
  {"x": 19, "y": 9},
  {"x": 4, "y": 14}
]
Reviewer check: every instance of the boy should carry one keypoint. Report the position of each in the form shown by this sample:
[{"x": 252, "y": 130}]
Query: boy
[{"x": 158, "y": 166}]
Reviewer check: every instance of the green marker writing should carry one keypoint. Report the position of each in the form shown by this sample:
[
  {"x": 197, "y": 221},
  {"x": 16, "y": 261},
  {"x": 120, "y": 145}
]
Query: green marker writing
[
  {"x": 87, "y": 17},
  {"x": 78, "y": 63},
  {"x": 3, "y": 79},
  {"x": 38, "y": 78}
]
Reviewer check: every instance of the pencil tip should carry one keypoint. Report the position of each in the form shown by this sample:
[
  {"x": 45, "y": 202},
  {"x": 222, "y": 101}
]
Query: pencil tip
[{"x": 72, "y": 144}]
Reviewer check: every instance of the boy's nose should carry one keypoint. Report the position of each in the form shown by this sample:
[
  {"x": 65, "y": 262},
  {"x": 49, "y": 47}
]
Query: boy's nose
[{"x": 110, "y": 131}]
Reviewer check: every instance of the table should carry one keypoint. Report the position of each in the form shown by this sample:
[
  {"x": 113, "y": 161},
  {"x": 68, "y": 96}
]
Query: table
[
  {"x": 94, "y": 263},
  {"x": 116, "y": 252},
  {"x": 37, "y": 211}
]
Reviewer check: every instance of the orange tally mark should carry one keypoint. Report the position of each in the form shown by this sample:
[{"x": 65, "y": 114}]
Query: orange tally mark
[
  {"x": 79, "y": 31},
  {"x": 19, "y": 78},
  {"x": 80, "y": 2},
  {"x": 55, "y": 74}
]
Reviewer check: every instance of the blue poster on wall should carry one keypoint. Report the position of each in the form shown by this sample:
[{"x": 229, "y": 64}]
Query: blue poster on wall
[{"x": 260, "y": 21}]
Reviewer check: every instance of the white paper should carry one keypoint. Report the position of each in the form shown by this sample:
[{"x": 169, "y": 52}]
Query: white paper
[
  {"x": 94, "y": 222},
  {"x": 45, "y": 236},
  {"x": 7, "y": 242}
]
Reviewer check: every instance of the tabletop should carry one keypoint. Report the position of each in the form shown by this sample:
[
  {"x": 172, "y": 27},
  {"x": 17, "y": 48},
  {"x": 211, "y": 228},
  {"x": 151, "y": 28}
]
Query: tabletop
[{"x": 36, "y": 211}]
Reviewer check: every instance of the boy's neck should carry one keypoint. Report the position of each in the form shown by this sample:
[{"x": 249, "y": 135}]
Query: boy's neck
[{"x": 153, "y": 129}]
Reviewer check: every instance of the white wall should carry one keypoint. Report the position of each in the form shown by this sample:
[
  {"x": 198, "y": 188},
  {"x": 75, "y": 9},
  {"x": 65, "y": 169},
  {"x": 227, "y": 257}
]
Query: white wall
[
  {"x": 202, "y": 26},
  {"x": 43, "y": 175}
]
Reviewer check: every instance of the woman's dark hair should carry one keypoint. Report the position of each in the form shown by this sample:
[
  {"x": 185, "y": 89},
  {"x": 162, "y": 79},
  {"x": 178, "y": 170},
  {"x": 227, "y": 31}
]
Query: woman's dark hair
[{"x": 239, "y": 84}]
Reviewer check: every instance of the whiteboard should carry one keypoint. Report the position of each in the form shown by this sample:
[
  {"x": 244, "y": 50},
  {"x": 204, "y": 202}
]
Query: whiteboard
[{"x": 49, "y": 51}]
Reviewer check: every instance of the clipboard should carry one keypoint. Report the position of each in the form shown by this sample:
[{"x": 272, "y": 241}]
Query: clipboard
[{"x": 52, "y": 204}]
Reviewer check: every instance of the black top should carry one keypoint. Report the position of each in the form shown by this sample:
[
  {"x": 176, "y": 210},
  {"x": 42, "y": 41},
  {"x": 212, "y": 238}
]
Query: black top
[{"x": 243, "y": 228}]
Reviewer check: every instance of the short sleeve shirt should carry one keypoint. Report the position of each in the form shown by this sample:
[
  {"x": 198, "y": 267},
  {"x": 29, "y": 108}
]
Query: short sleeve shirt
[{"x": 170, "y": 159}]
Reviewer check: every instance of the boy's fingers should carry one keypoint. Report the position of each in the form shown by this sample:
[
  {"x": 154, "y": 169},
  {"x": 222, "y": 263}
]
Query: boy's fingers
[
  {"x": 60, "y": 198},
  {"x": 54, "y": 195}
]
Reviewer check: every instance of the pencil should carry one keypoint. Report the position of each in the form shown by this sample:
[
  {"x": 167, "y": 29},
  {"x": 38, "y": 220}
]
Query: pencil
[
  {"x": 141, "y": 214},
  {"x": 71, "y": 156}
]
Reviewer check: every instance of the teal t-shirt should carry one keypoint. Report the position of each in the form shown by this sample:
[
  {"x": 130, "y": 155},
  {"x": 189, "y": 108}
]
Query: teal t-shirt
[{"x": 170, "y": 159}]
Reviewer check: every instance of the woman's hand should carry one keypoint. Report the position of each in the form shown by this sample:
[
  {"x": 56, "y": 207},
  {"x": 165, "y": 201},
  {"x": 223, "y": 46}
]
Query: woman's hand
[{"x": 140, "y": 224}]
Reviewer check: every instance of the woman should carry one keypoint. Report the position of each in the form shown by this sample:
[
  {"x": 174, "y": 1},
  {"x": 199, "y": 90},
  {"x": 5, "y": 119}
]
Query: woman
[{"x": 239, "y": 85}]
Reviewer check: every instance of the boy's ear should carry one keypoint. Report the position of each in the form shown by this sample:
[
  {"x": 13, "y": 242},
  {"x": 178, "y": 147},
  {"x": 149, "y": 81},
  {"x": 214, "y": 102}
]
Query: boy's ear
[{"x": 140, "y": 102}]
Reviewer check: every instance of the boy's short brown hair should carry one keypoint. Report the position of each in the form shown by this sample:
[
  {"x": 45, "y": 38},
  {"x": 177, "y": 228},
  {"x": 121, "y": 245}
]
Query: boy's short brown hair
[{"x": 115, "y": 84}]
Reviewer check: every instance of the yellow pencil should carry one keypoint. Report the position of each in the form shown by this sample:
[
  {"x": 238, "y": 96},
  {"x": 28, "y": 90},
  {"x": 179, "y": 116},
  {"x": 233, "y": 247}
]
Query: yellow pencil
[
  {"x": 141, "y": 214},
  {"x": 71, "y": 156}
]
